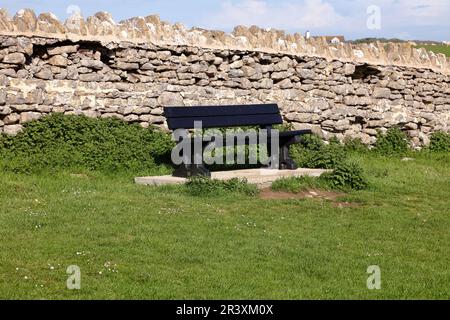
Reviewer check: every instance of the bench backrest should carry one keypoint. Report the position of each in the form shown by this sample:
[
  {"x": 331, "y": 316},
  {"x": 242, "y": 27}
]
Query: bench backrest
[{"x": 223, "y": 116}]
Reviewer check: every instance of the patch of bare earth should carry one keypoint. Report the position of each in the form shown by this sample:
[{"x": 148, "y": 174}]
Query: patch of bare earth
[{"x": 269, "y": 194}]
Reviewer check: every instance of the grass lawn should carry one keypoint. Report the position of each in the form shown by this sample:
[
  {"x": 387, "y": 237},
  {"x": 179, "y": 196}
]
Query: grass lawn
[
  {"x": 445, "y": 49},
  {"x": 161, "y": 243}
]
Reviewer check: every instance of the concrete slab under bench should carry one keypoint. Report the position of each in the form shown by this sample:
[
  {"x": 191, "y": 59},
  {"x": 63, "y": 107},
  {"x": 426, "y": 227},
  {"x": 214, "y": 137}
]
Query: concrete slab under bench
[{"x": 261, "y": 177}]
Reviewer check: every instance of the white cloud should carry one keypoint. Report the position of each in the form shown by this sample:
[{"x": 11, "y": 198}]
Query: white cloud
[
  {"x": 283, "y": 15},
  {"x": 414, "y": 12}
]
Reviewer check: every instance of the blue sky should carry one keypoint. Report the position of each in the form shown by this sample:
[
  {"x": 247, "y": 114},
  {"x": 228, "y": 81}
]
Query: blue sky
[{"x": 406, "y": 19}]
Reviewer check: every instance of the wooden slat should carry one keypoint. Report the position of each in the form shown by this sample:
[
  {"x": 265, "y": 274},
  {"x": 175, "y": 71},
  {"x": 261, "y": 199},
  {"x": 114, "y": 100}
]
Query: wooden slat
[
  {"x": 224, "y": 121},
  {"x": 295, "y": 133},
  {"x": 229, "y": 110}
]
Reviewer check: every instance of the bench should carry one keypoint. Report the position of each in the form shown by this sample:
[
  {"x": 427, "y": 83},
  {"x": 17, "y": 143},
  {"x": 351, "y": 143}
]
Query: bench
[{"x": 262, "y": 115}]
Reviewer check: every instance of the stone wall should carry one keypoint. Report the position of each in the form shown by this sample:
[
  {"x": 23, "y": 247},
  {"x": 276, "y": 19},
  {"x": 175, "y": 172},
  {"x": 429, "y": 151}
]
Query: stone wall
[
  {"x": 102, "y": 27},
  {"x": 133, "y": 81}
]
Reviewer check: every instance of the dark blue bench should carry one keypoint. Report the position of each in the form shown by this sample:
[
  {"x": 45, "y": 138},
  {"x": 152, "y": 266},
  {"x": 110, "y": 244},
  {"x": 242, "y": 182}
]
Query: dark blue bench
[{"x": 262, "y": 115}]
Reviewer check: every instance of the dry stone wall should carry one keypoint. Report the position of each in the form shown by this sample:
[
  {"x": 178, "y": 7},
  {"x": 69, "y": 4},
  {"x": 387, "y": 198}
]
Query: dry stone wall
[
  {"x": 133, "y": 81},
  {"x": 102, "y": 27}
]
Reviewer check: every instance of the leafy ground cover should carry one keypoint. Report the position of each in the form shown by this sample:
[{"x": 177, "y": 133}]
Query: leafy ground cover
[{"x": 212, "y": 240}]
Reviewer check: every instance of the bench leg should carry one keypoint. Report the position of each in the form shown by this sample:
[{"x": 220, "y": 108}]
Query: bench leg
[
  {"x": 191, "y": 170},
  {"x": 286, "y": 162}
]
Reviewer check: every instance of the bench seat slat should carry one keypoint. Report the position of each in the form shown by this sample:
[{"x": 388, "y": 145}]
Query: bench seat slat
[
  {"x": 230, "y": 110},
  {"x": 295, "y": 133},
  {"x": 225, "y": 121}
]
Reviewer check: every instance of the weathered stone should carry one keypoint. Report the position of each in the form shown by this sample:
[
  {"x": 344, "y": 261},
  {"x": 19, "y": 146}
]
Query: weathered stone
[
  {"x": 163, "y": 55},
  {"x": 58, "y": 61},
  {"x": 94, "y": 64},
  {"x": 349, "y": 69},
  {"x": 62, "y": 49},
  {"x": 362, "y": 92},
  {"x": 281, "y": 66},
  {"x": 12, "y": 129},
  {"x": 342, "y": 125},
  {"x": 185, "y": 76},
  {"x": 11, "y": 119},
  {"x": 89, "y": 77},
  {"x": 45, "y": 74},
  {"x": 199, "y": 68},
  {"x": 351, "y": 100},
  {"x": 25, "y": 45},
  {"x": 72, "y": 73},
  {"x": 2, "y": 99},
  {"x": 218, "y": 61},
  {"x": 236, "y": 73},
  {"x": 157, "y": 111},
  {"x": 265, "y": 83},
  {"x": 5, "y": 21},
  {"x": 43, "y": 109},
  {"x": 25, "y": 20},
  {"x": 90, "y": 113},
  {"x": 279, "y": 75},
  {"x": 29, "y": 116},
  {"x": 148, "y": 66},
  {"x": 15, "y": 58},
  {"x": 4, "y": 81},
  {"x": 285, "y": 84},
  {"x": 344, "y": 89},
  {"x": 384, "y": 93},
  {"x": 167, "y": 99},
  {"x": 141, "y": 110},
  {"x": 411, "y": 126},
  {"x": 8, "y": 72},
  {"x": 101, "y": 24},
  {"x": 303, "y": 117},
  {"x": 397, "y": 85},
  {"x": 22, "y": 74},
  {"x": 246, "y": 84},
  {"x": 248, "y": 71},
  {"x": 267, "y": 68},
  {"x": 212, "y": 70},
  {"x": 49, "y": 23},
  {"x": 14, "y": 98},
  {"x": 84, "y": 70},
  {"x": 152, "y": 118},
  {"x": 306, "y": 73},
  {"x": 317, "y": 104},
  {"x": 75, "y": 24},
  {"x": 323, "y": 93},
  {"x": 131, "y": 118},
  {"x": 33, "y": 97},
  {"x": 370, "y": 132},
  {"x": 127, "y": 65},
  {"x": 237, "y": 64}
]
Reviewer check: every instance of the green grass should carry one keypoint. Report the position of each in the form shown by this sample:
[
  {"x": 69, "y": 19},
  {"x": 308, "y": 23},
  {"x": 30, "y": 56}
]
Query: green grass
[
  {"x": 167, "y": 244},
  {"x": 445, "y": 49}
]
